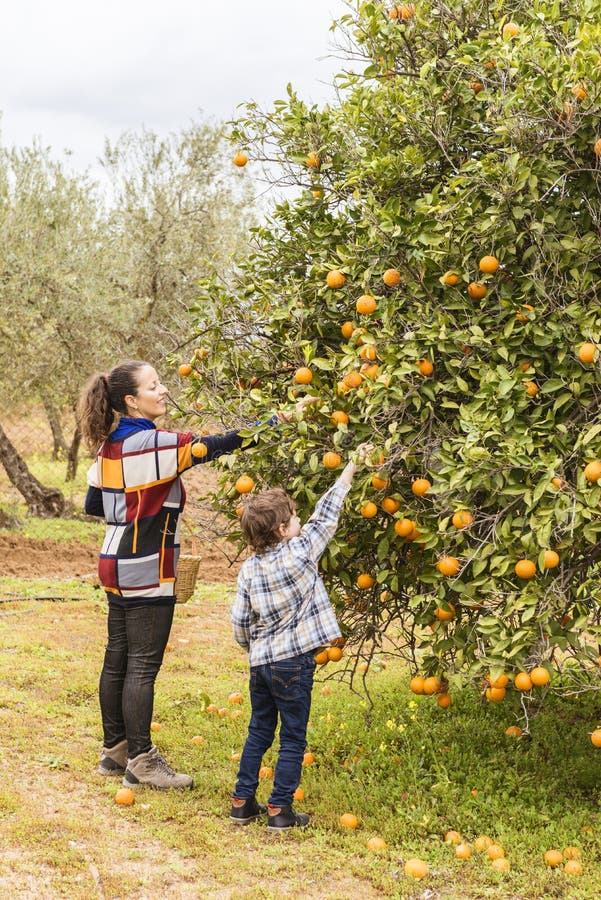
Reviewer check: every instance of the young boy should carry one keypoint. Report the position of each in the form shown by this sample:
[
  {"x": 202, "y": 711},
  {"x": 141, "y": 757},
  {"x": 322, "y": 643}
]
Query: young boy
[{"x": 282, "y": 615}]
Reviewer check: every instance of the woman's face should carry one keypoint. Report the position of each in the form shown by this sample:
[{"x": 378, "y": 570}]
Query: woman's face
[{"x": 150, "y": 401}]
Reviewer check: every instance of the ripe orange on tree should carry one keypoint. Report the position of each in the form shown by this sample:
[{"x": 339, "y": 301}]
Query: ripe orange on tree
[
  {"x": 335, "y": 279},
  {"x": 431, "y": 685},
  {"x": 244, "y": 484},
  {"x": 339, "y": 417},
  {"x": 551, "y": 559},
  {"x": 522, "y": 681},
  {"x": 448, "y": 565},
  {"x": 391, "y": 277},
  {"x": 334, "y": 654},
  {"x": 532, "y": 388},
  {"x": 462, "y": 518},
  {"x": 495, "y": 694},
  {"x": 313, "y": 160},
  {"x": 525, "y": 568},
  {"x": 476, "y": 290},
  {"x": 369, "y": 510},
  {"x": 331, "y": 460},
  {"x": 379, "y": 483},
  {"x": 404, "y": 527},
  {"x": 501, "y": 681},
  {"x": 586, "y": 352},
  {"x": 390, "y": 505},
  {"x": 425, "y": 366},
  {"x": 489, "y": 265},
  {"x": 304, "y": 375},
  {"x": 240, "y": 159},
  {"x": 321, "y": 657},
  {"x": 559, "y": 483},
  {"x": 199, "y": 450},
  {"x": 597, "y": 147},
  {"x": 592, "y": 470},
  {"x": 353, "y": 379},
  {"x": 184, "y": 370},
  {"x": 523, "y": 316},
  {"x": 347, "y": 329},
  {"x": 366, "y": 305},
  {"x": 476, "y": 86},
  {"x": 416, "y": 685},
  {"x": 445, "y": 615},
  {"x": 368, "y": 351},
  {"x": 365, "y": 581},
  {"x": 451, "y": 278},
  {"x": 444, "y": 700},
  {"x": 421, "y": 486}
]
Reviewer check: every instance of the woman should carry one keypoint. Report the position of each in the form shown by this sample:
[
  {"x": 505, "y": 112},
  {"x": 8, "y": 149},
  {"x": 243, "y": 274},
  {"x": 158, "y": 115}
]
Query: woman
[{"x": 136, "y": 486}]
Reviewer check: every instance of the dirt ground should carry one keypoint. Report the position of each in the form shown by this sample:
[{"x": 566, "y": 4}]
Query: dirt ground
[
  {"x": 27, "y": 558},
  {"x": 24, "y": 557}
]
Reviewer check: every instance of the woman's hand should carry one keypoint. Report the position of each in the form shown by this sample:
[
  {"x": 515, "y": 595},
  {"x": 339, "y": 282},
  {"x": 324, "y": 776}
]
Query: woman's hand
[{"x": 299, "y": 409}]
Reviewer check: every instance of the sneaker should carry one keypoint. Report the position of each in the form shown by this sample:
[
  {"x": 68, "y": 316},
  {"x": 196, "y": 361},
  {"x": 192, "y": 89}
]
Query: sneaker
[
  {"x": 113, "y": 761},
  {"x": 283, "y": 817},
  {"x": 153, "y": 770},
  {"x": 247, "y": 812}
]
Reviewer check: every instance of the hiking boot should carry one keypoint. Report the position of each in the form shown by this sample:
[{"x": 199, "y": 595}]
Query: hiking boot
[
  {"x": 153, "y": 770},
  {"x": 113, "y": 761},
  {"x": 247, "y": 811},
  {"x": 281, "y": 818}
]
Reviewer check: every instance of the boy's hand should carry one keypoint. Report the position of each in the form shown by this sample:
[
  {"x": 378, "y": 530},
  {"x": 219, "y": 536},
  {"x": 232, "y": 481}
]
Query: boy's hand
[{"x": 362, "y": 452}]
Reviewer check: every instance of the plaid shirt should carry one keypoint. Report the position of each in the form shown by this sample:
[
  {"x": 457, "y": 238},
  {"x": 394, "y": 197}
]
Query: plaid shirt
[{"x": 282, "y": 608}]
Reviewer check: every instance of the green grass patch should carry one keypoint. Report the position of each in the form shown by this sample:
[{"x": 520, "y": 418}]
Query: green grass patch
[{"x": 407, "y": 769}]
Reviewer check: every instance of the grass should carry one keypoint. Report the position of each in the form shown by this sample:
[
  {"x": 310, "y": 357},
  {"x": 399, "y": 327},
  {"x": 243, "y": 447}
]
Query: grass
[{"x": 409, "y": 770}]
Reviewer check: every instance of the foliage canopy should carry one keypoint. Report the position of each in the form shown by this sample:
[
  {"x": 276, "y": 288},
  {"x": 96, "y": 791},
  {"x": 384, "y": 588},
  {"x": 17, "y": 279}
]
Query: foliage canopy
[{"x": 454, "y": 139}]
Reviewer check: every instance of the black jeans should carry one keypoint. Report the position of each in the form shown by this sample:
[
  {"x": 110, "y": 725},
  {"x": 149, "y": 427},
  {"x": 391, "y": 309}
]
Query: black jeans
[{"x": 136, "y": 643}]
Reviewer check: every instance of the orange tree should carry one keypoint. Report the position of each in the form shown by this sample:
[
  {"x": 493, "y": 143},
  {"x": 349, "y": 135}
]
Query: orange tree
[{"x": 436, "y": 277}]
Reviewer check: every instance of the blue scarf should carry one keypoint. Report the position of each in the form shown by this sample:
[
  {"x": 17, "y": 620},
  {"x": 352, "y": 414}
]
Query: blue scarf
[{"x": 128, "y": 425}]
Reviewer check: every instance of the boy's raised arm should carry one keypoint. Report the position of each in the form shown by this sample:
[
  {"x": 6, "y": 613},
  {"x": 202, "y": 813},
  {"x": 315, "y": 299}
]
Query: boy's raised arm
[{"x": 320, "y": 528}]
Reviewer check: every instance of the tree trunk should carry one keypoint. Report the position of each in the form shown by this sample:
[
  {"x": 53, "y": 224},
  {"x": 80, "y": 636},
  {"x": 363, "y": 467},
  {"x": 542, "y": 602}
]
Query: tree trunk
[
  {"x": 55, "y": 426},
  {"x": 47, "y": 503},
  {"x": 73, "y": 455}
]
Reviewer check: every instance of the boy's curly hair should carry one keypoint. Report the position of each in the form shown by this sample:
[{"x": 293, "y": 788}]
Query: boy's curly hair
[{"x": 262, "y": 516}]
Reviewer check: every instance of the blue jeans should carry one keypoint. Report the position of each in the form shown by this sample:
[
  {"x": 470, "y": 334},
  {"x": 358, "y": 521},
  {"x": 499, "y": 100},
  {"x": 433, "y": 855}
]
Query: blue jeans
[
  {"x": 137, "y": 639},
  {"x": 281, "y": 688}
]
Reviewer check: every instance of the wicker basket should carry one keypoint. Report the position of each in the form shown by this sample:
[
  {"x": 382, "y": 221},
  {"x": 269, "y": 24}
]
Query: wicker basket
[{"x": 187, "y": 570}]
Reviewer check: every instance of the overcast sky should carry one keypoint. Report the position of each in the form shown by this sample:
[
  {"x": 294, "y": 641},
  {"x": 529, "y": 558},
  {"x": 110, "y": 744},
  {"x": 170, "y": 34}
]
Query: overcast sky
[{"x": 73, "y": 72}]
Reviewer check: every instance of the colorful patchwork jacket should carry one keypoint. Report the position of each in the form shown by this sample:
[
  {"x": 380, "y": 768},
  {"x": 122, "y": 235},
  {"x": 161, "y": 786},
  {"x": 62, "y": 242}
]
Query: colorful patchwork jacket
[{"x": 137, "y": 478}]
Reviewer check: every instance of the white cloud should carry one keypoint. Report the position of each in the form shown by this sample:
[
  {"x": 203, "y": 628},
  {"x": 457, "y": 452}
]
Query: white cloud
[{"x": 73, "y": 72}]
